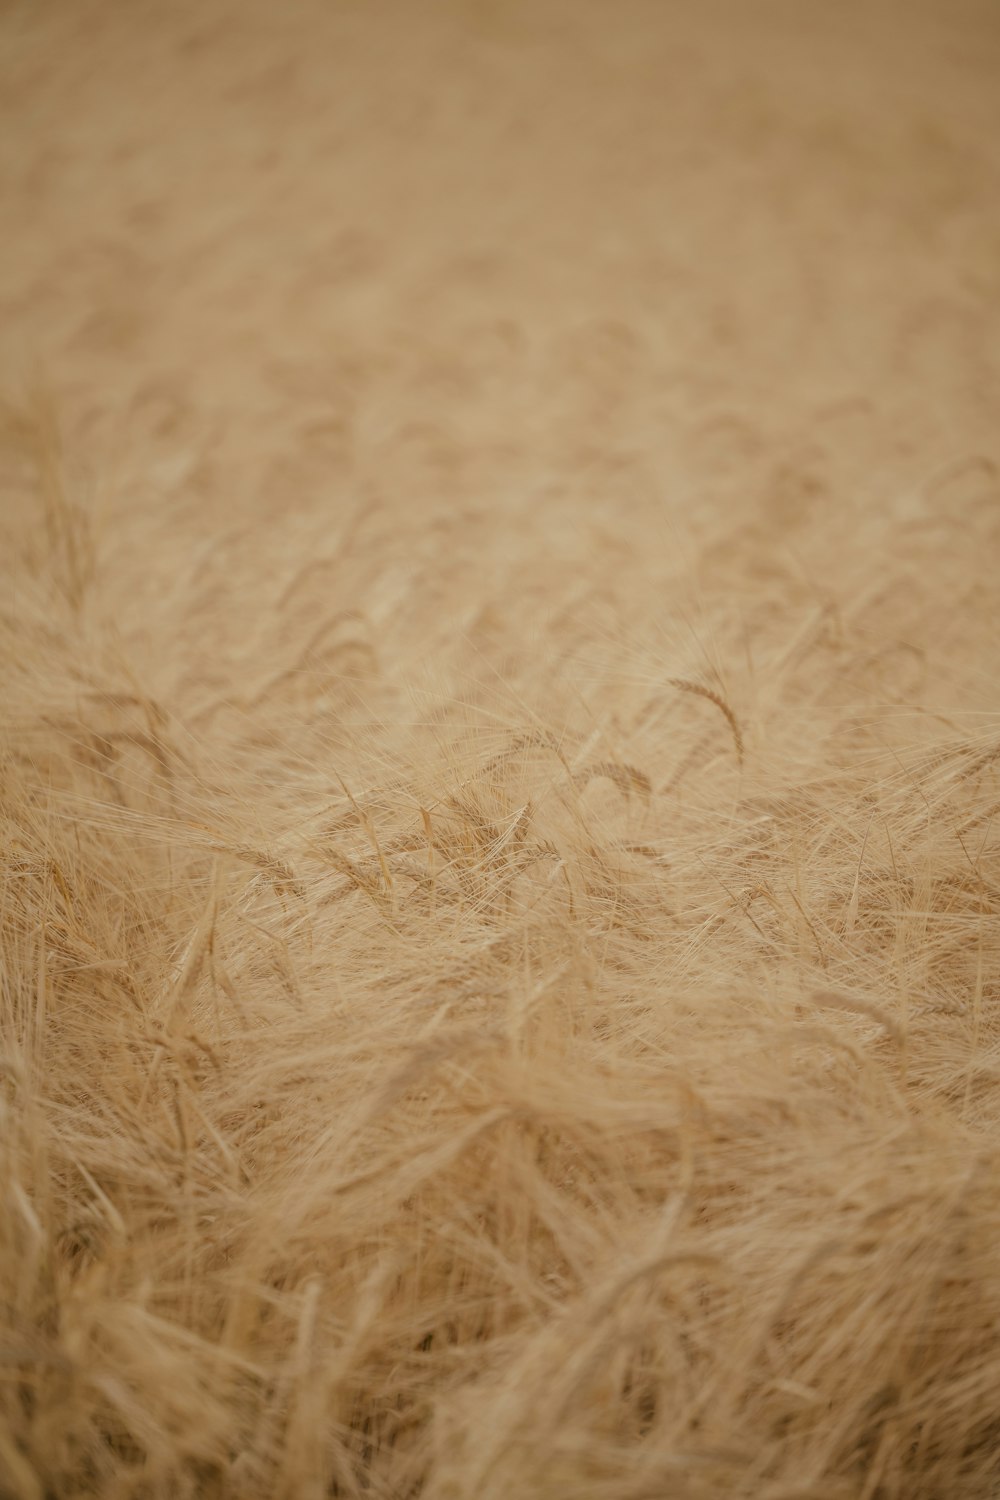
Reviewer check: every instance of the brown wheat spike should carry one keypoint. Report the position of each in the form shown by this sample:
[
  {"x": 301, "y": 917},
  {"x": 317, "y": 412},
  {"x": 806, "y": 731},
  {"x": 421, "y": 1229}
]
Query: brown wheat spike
[
  {"x": 627, "y": 779},
  {"x": 700, "y": 690}
]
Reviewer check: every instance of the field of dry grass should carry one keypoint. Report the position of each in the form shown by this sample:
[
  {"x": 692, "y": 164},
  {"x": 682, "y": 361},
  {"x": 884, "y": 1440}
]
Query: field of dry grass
[{"x": 499, "y": 750}]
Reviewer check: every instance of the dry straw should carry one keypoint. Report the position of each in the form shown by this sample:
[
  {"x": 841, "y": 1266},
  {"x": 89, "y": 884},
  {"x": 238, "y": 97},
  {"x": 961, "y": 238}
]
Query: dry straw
[{"x": 499, "y": 762}]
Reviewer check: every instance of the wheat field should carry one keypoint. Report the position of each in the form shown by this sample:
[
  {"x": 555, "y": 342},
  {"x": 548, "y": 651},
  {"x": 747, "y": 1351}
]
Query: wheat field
[{"x": 499, "y": 749}]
